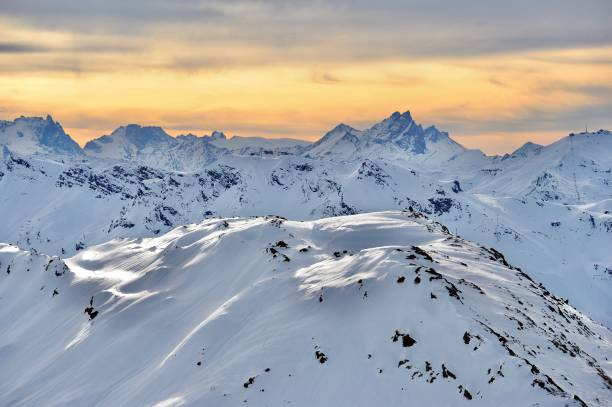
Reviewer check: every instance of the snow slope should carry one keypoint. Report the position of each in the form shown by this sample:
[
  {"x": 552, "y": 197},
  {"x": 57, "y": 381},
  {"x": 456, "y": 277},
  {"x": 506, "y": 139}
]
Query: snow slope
[
  {"x": 579, "y": 164},
  {"x": 373, "y": 309},
  {"x": 59, "y": 208}
]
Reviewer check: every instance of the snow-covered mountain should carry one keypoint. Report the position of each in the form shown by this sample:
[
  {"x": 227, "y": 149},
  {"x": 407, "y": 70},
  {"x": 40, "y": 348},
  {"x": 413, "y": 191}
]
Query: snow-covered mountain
[
  {"x": 373, "y": 309},
  {"x": 526, "y": 150},
  {"x": 579, "y": 164},
  {"x": 35, "y": 135},
  {"x": 154, "y": 147},
  {"x": 131, "y": 142},
  {"x": 549, "y": 208},
  {"x": 397, "y": 136}
]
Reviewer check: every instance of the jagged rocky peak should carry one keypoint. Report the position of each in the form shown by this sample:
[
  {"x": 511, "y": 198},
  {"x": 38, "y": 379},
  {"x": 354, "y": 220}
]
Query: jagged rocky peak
[
  {"x": 37, "y": 135},
  {"x": 187, "y": 137},
  {"x": 399, "y": 126},
  {"x": 391, "y": 124},
  {"x": 217, "y": 135},
  {"x": 403, "y": 131},
  {"x": 397, "y": 119},
  {"x": 398, "y": 134}
]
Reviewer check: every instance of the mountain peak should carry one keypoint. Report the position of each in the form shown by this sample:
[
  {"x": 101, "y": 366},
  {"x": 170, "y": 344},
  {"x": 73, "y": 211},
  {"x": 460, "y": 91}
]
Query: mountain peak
[
  {"x": 342, "y": 127},
  {"x": 188, "y": 136},
  {"x": 142, "y": 136},
  {"x": 332, "y": 137},
  {"x": 401, "y": 116},
  {"x": 128, "y": 141},
  {"x": 397, "y": 123},
  {"x": 217, "y": 135},
  {"x": 398, "y": 132},
  {"x": 37, "y": 135},
  {"x": 137, "y": 127},
  {"x": 527, "y": 149}
]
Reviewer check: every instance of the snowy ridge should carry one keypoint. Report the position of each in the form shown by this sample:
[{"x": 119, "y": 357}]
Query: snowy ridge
[
  {"x": 154, "y": 147},
  {"x": 534, "y": 218},
  {"x": 547, "y": 207},
  {"x": 382, "y": 308},
  {"x": 549, "y": 172}
]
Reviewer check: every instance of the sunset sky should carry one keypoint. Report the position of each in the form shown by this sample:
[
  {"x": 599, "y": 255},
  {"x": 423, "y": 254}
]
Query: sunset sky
[{"x": 493, "y": 73}]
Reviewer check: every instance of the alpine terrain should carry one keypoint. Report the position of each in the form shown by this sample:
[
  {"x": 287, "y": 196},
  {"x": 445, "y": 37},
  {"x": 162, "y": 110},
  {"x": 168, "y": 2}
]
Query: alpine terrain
[{"x": 379, "y": 266}]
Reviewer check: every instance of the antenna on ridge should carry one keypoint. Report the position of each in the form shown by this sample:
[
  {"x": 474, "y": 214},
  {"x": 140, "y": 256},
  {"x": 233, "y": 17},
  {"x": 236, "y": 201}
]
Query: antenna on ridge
[{"x": 574, "y": 170}]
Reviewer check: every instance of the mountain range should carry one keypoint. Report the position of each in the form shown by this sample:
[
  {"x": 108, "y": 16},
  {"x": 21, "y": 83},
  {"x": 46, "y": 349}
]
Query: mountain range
[{"x": 166, "y": 239}]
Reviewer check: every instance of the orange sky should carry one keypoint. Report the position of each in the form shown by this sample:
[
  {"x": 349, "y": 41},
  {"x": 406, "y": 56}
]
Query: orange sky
[{"x": 93, "y": 81}]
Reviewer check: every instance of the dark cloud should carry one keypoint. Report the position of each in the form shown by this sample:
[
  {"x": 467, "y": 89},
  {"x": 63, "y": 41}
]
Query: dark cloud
[
  {"x": 20, "y": 48},
  {"x": 56, "y": 64},
  {"x": 75, "y": 15},
  {"x": 332, "y": 30}
]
